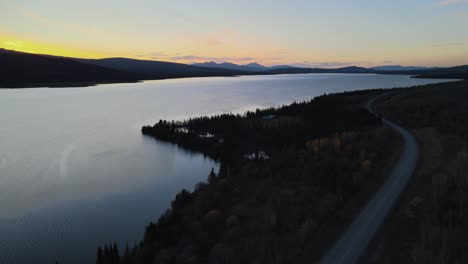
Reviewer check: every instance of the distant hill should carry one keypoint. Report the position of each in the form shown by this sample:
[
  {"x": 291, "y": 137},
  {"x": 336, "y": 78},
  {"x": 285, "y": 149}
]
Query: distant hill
[
  {"x": 458, "y": 72},
  {"x": 402, "y": 68},
  {"x": 281, "y": 67},
  {"x": 352, "y": 69},
  {"x": 225, "y": 65},
  {"x": 256, "y": 66},
  {"x": 159, "y": 69},
  {"x": 20, "y": 69},
  {"x": 251, "y": 67}
]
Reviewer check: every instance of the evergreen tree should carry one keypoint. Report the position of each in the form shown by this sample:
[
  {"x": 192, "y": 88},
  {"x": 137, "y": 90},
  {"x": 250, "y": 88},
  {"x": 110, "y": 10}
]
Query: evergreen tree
[
  {"x": 212, "y": 176},
  {"x": 106, "y": 259},
  {"x": 126, "y": 256},
  {"x": 115, "y": 254},
  {"x": 99, "y": 259}
]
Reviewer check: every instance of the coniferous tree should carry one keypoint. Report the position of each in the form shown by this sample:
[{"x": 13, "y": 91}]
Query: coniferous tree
[
  {"x": 212, "y": 176},
  {"x": 126, "y": 256},
  {"x": 115, "y": 254},
  {"x": 106, "y": 258},
  {"x": 99, "y": 259}
]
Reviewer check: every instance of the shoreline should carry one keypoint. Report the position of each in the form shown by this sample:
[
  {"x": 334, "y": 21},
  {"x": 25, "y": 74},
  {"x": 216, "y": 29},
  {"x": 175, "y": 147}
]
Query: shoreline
[
  {"x": 97, "y": 83},
  {"x": 316, "y": 234},
  {"x": 232, "y": 205}
]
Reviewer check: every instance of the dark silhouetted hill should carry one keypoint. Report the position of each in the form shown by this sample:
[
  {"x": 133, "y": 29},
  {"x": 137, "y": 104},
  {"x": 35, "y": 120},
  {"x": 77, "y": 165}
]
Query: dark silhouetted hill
[
  {"x": 458, "y": 72},
  {"x": 402, "y": 68},
  {"x": 257, "y": 66},
  {"x": 159, "y": 69},
  {"x": 20, "y": 69},
  {"x": 352, "y": 69},
  {"x": 251, "y": 67},
  {"x": 232, "y": 66}
]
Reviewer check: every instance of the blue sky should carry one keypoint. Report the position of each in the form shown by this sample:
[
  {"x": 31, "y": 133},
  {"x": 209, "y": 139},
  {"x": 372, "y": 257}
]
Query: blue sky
[{"x": 308, "y": 33}]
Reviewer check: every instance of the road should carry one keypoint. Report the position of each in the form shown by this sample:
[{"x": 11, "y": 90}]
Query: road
[{"x": 355, "y": 240}]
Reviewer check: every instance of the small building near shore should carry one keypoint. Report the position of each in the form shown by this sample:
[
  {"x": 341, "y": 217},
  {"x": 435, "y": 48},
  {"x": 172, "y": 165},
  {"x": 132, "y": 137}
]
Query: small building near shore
[{"x": 269, "y": 117}]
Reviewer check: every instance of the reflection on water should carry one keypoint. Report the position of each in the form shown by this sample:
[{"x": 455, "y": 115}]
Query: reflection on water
[{"x": 76, "y": 172}]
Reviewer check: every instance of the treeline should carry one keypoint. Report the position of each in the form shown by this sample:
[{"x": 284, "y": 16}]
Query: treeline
[
  {"x": 279, "y": 206},
  {"x": 327, "y": 155},
  {"x": 108, "y": 255},
  {"x": 228, "y": 137}
]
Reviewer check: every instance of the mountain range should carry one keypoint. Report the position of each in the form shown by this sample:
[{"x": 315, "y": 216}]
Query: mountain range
[
  {"x": 20, "y": 69},
  {"x": 402, "y": 68},
  {"x": 154, "y": 70},
  {"x": 256, "y": 67},
  {"x": 251, "y": 67}
]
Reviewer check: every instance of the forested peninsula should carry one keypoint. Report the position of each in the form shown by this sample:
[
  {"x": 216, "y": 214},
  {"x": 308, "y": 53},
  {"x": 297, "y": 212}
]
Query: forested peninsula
[{"x": 291, "y": 179}]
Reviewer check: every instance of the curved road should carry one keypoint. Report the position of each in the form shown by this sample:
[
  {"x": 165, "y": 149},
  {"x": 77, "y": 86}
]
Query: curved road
[{"x": 354, "y": 241}]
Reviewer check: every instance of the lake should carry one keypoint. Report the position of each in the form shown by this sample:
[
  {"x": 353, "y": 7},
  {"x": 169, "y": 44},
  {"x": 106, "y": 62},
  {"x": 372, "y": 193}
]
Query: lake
[{"x": 75, "y": 171}]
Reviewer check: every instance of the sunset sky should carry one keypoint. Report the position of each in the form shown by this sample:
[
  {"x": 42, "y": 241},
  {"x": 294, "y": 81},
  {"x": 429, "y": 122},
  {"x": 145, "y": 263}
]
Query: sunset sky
[{"x": 308, "y": 33}]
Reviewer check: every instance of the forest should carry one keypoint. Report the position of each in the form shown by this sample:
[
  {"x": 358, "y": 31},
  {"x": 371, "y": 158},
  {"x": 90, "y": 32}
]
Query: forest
[
  {"x": 291, "y": 179},
  {"x": 230, "y": 137},
  {"x": 430, "y": 224}
]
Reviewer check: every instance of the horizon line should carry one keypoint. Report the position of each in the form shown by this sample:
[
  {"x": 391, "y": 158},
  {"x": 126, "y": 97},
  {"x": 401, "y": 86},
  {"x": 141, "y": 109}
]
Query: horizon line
[{"x": 294, "y": 65}]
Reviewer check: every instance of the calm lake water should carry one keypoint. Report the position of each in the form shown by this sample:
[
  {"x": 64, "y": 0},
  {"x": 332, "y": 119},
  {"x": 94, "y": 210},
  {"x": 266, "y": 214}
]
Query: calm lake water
[{"x": 75, "y": 171}]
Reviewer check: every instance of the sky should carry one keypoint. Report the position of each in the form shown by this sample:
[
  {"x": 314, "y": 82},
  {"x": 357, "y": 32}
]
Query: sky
[{"x": 309, "y": 33}]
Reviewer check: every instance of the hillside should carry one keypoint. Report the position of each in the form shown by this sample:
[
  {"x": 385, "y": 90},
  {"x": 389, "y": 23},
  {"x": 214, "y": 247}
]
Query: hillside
[
  {"x": 459, "y": 72},
  {"x": 402, "y": 68},
  {"x": 30, "y": 70},
  {"x": 226, "y": 65},
  {"x": 251, "y": 67},
  {"x": 352, "y": 69},
  {"x": 160, "y": 69}
]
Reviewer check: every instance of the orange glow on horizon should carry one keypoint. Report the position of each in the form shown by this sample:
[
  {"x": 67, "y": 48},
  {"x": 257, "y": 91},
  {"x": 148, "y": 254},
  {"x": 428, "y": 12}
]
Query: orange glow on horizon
[
  {"x": 35, "y": 47},
  {"x": 49, "y": 49}
]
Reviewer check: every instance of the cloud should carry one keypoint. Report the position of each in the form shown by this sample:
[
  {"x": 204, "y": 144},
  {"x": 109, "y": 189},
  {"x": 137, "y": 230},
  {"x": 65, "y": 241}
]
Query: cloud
[
  {"x": 154, "y": 55},
  {"x": 228, "y": 32},
  {"x": 15, "y": 44},
  {"x": 441, "y": 45},
  {"x": 184, "y": 58},
  {"x": 451, "y": 2},
  {"x": 213, "y": 42},
  {"x": 222, "y": 36},
  {"x": 158, "y": 55},
  {"x": 189, "y": 57},
  {"x": 219, "y": 59}
]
